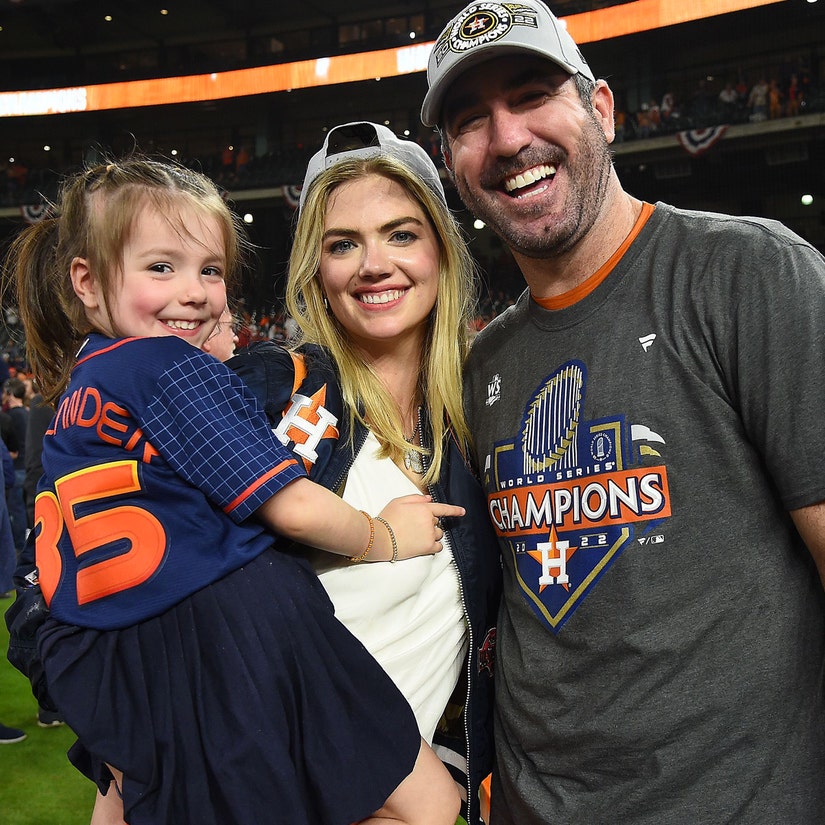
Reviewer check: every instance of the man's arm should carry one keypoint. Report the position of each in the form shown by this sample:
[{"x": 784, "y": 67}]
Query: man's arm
[{"x": 810, "y": 521}]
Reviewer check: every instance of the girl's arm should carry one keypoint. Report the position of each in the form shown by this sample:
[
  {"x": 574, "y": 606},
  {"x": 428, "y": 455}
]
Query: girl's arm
[
  {"x": 310, "y": 514},
  {"x": 428, "y": 796},
  {"x": 222, "y": 425}
]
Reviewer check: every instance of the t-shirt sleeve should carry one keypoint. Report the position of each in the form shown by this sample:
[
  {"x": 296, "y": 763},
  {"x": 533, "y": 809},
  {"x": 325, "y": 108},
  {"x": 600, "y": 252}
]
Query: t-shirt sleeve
[
  {"x": 210, "y": 429},
  {"x": 779, "y": 353}
]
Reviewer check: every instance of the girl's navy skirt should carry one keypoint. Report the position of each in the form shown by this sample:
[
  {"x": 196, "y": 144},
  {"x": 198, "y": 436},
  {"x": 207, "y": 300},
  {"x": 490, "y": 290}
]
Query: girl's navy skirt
[{"x": 246, "y": 703}]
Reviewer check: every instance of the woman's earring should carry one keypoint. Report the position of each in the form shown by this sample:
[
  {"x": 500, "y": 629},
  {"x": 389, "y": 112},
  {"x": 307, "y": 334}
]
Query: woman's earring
[{"x": 326, "y": 303}]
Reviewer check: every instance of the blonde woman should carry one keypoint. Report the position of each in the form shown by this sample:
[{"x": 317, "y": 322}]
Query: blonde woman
[{"x": 381, "y": 285}]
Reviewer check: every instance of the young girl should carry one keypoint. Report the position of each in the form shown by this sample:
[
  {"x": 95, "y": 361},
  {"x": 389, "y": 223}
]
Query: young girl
[{"x": 208, "y": 673}]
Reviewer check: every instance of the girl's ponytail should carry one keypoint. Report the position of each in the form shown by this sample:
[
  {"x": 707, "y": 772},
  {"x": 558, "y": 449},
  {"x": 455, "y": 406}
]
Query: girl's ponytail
[{"x": 52, "y": 319}]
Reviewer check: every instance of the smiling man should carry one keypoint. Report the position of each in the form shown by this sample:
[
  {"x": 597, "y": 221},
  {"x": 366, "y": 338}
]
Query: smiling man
[{"x": 646, "y": 419}]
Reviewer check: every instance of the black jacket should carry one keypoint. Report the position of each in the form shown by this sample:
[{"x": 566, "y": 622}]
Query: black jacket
[{"x": 464, "y": 735}]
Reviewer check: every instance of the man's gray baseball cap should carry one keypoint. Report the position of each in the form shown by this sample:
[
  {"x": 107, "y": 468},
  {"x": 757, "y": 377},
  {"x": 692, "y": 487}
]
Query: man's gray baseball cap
[
  {"x": 363, "y": 139},
  {"x": 483, "y": 31}
]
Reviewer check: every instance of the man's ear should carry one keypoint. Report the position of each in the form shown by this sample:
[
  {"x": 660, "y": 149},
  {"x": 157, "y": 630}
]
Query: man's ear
[
  {"x": 604, "y": 109},
  {"x": 84, "y": 283},
  {"x": 446, "y": 153}
]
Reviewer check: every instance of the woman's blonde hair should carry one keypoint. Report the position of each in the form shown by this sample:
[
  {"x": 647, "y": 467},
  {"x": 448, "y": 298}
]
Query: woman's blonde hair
[
  {"x": 94, "y": 217},
  {"x": 446, "y": 340}
]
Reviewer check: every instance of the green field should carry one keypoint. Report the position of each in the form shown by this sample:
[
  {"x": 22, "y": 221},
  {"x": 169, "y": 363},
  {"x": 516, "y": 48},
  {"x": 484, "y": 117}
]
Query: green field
[{"x": 38, "y": 786}]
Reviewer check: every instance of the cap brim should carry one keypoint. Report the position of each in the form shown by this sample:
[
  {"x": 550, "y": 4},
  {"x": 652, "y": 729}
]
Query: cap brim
[{"x": 434, "y": 99}]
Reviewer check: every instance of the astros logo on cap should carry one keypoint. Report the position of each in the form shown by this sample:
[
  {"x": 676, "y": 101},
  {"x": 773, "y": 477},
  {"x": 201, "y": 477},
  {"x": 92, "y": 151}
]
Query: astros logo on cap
[{"x": 482, "y": 23}]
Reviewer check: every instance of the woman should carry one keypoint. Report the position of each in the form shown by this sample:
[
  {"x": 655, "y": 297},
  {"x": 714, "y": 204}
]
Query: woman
[{"x": 380, "y": 282}]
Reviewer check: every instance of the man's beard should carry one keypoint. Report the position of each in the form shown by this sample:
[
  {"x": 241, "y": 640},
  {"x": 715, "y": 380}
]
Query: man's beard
[{"x": 587, "y": 180}]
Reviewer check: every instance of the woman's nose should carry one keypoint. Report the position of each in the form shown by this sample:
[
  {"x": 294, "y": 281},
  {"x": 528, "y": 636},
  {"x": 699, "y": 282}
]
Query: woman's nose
[{"x": 376, "y": 261}]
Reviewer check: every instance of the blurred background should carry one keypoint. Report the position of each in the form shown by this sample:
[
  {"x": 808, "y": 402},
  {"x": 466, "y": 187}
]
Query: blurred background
[{"x": 720, "y": 103}]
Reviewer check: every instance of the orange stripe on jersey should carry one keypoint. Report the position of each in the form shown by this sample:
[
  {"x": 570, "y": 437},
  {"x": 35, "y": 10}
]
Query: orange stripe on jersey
[
  {"x": 114, "y": 346},
  {"x": 586, "y": 287},
  {"x": 262, "y": 480}
]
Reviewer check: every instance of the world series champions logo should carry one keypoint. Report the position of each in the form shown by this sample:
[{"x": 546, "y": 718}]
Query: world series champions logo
[
  {"x": 482, "y": 23},
  {"x": 569, "y": 496}
]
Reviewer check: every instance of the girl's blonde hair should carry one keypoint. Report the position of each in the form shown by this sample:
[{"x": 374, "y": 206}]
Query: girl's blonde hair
[
  {"x": 94, "y": 216},
  {"x": 446, "y": 340}
]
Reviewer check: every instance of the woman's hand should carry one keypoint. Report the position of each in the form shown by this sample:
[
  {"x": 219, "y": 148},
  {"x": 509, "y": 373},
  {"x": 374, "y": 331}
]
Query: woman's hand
[{"x": 415, "y": 521}]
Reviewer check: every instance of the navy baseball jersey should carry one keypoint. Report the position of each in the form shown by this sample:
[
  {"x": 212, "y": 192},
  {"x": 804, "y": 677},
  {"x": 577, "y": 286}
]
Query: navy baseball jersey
[{"x": 156, "y": 456}]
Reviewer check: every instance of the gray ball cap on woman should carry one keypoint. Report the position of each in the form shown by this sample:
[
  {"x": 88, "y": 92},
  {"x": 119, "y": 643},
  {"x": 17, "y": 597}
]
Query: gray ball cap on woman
[{"x": 363, "y": 139}]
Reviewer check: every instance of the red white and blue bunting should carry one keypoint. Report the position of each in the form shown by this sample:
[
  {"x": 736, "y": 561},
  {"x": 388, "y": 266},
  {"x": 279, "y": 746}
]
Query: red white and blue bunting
[
  {"x": 292, "y": 195},
  {"x": 35, "y": 212},
  {"x": 697, "y": 141}
]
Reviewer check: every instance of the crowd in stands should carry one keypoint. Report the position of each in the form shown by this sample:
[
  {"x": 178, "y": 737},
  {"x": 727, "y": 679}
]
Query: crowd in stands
[
  {"x": 769, "y": 95},
  {"x": 729, "y": 101}
]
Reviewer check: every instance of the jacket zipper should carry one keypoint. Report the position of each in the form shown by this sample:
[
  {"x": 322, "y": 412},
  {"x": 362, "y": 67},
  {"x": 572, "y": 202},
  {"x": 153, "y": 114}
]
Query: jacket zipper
[
  {"x": 356, "y": 448},
  {"x": 466, "y": 714}
]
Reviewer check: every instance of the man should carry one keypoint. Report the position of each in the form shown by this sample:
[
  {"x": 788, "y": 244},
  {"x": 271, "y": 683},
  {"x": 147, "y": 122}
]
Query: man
[{"x": 647, "y": 420}]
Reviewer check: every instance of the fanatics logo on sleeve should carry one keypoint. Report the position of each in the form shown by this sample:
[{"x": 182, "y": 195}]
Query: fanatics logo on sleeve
[
  {"x": 647, "y": 341},
  {"x": 569, "y": 496}
]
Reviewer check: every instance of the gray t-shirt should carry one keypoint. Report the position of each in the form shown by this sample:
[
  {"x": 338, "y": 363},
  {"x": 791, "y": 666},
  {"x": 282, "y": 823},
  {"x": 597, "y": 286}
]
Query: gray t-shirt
[{"x": 661, "y": 643}]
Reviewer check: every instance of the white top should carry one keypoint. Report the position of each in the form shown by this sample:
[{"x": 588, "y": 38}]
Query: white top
[{"x": 408, "y": 614}]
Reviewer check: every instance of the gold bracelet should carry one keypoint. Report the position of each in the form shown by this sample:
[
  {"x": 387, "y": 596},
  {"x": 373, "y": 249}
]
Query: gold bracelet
[
  {"x": 357, "y": 559},
  {"x": 386, "y": 524}
]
